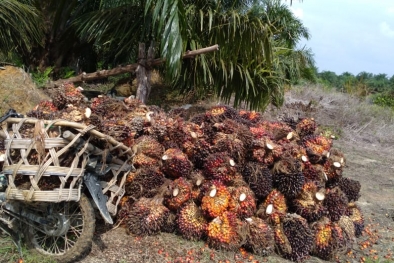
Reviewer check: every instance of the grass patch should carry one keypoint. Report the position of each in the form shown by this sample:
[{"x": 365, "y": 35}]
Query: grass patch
[{"x": 9, "y": 253}]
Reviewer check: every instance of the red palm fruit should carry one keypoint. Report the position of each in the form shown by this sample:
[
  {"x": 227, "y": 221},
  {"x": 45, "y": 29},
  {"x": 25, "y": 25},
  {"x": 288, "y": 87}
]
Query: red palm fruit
[
  {"x": 44, "y": 110},
  {"x": 197, "y": 180},
  {"x": 314, "y": 173},
  {"x": 337, "y": 156},
  {"x": 230, "y": 144},
  {"x": 336, "y": 203},
  {"x": 221, "y": 112},
  {"x": 299, "y": 235},
  {"x": 258, "y": 177},
  {"x": 141, "y": 160},
  {"x": 265, "y": 151},
  {"x": 350, "y": 187},
  {"x": 317, "y": 147},
  {"x": 67, "y": 94},
  {"x": 242, "y": 202},
  {"x": 251, "y": 116},
  {"x": 287, "y": 177},
  {"x": 176, "y": 163},
  {"x": 295, "y": 150},
  {"x": 148, "y": 146},
  {"x": 306, "y": 126},
  {"x": 147, "y": 216},
  {"x": 219, "y": 166},
  {"x": 179, "y": 192},
  {"x": 223, "y": 232},
  {"x": 259, "y": 236},
  {"x": 144, "y": 182},
  {"x": 309, "y": 203},
  {"x": 197, "y": 152},
  {"x": 274, "y": 208},
  {"x": 280, "y": 130},
  {"x": 333, "y": 170},
  {"x": 238, "y": 130},
  {"x": 191, "y": 222},
  {"x": 155, "y": 125},
  {"x": 357, "y": 217},
  {"x": 281, "y": 241},
  {"x": 216, "y": 200},
  {"x": 324, "y": 240},
  {"x": 259, "y": 130}
]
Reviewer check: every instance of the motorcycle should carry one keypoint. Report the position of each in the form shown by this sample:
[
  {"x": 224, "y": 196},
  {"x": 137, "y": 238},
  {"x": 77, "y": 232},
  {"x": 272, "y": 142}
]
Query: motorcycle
[{"x": 56, "y": 174}]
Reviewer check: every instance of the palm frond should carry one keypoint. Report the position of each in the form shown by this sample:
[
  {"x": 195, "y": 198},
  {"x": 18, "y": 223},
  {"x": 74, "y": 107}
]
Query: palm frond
[{"x": 20, "y": 25}]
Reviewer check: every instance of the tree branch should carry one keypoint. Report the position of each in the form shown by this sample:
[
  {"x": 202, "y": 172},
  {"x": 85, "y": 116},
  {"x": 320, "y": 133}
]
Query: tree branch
[{"x": 125, "y": 69}]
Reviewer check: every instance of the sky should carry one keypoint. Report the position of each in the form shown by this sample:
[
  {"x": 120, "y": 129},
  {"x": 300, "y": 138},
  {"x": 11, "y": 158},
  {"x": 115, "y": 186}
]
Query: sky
[{"x": 349, "y": 35}]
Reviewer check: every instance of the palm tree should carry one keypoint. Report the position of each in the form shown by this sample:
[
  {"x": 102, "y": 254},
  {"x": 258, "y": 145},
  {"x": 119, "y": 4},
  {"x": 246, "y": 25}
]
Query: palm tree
[
  {"x": 21, "y": 27},
  {"x": 249, "y": 66}
]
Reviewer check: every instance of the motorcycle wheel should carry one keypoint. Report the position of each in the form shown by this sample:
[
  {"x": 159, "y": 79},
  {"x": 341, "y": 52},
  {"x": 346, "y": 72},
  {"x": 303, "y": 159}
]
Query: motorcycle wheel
[{"x": 70, "y": 233}]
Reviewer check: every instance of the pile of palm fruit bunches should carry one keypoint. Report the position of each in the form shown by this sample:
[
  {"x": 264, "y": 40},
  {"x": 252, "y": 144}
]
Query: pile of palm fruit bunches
[{"x": 226, "y": 176}]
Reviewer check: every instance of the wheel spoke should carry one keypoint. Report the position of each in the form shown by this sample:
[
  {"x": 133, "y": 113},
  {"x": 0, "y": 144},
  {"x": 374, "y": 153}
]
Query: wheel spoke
[{"x": 66, "y": 226}]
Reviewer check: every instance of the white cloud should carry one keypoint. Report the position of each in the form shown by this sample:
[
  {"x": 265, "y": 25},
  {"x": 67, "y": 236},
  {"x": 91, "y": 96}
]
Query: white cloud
[
  {"x": 390, "y": 11},
  {"x": 298, "y": 12},
  {"x": 386, "y": 30}
]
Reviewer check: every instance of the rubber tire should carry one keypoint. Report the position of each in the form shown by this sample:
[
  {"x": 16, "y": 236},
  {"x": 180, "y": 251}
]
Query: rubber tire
[{"x": 83, "y": 243}]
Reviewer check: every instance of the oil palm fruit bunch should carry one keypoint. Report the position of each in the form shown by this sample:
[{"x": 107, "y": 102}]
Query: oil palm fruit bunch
[
  {"x": 67, "y": 94},
  {"x": 176, "y": 163},
  {"x": 317, "y": 147},
  {"x": 216, "y": 200},
  {"x": 220, "y": 166},
  {"x": 147, "y": 216},
  {"x": 242, "y": 202},
  {"x": 299, "y": 236},
  {"x": 357, "y": 217},
  {"x": 259, "y": 236},
  {"x": 230, "y": 144},
  {"x": 333, "y": 170},
  {"x": 309, "y": 203},
  {"x": 144, "y": 182},
  {"x": 250, "y": 117},
  {"x": 44, "y": 110},
  {"x": 148, "y": 152},
  {"x": 274, "y": 208},
  {"x": 191, "y": 222},
  {"x": 336, "y": 203},
  {"x": 223, "y": 232},
  {"x": 350, "y": 187},
  {"x": 288, "y": 177},
  {"x": 314, "y": 173},
  {"x": 259, "y": 179},
  {"x": 179, "y": 192},
  {"x": 306, "y": 127},
  {"x": 220, "y": 113},
  {"x": 326, "y": 243}
]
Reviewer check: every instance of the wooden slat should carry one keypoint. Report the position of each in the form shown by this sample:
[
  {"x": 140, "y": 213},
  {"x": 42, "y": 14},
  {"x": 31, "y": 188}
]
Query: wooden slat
[
  {"x": 49, "y": 143},
  {"x": 33, "y": 169},
  {"x": 47, "y": 196}
]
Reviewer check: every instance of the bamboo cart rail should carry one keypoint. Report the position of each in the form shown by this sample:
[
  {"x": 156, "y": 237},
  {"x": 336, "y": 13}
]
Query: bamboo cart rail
[{"x": 72, "y": 143}]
